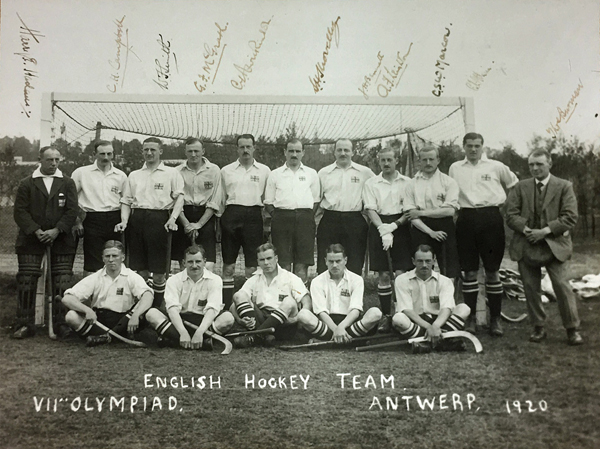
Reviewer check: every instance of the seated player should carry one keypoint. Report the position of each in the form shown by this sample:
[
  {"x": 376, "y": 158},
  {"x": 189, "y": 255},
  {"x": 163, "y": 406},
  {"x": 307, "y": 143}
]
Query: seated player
[
  {"x": 425, "y": 304},
  {"x": 194, "y": 295},
  {"x": 272, "y": 297},
  {"x": 337, "y": 297},
  {"x": 119, "y": 298}
]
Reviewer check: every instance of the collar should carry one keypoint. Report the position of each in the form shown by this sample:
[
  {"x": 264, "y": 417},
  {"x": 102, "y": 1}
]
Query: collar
[
  {"x": 543, "y": 182},
  {"x": 413, "y": 274},
  {"x": 333, "y": 166},
  {"x": 239, "y": 164},
  {"x": 398, "y": 177},
  {"x": 38, "y": 174},
  {"x": 95, "y": 166},
  {"x": 484, "y": 158},
  {"x": 206, "y": 166},
  {"x": 161, "y": 166},
  {"x": 124, "y": 271},
  {"x": 420, "y": 175},
  {"x": 205, "y": 275},
  {"x": 259, "y": 272},
  {"x": 344, "y": 276},
  {"x": 286, "y": 167}
]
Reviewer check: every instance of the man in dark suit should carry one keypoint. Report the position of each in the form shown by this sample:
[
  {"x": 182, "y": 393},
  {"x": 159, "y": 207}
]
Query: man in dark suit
[
  {"x": 542, "y": 211},
  {"x": 45, "y": 211}
]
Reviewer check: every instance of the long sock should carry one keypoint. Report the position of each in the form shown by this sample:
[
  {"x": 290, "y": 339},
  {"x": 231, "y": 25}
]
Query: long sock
[
  {"x": 86, "y": 329},
  {"x": 454, "y": 323},
  {"x": 322, "y": 332},
  {"x": 227, "y": 293},
  {"x": 277, "y": 318},
  {"x": 358, "y": 329},
  {"x": 159, "y": 294},
  {"x": 384, "y": 292},
  {"x": 470, "y": 291},
  {"x": 494, "y": 292},
  {"x": 166, "y": 330},
  {"x": 245, "y": 309}
]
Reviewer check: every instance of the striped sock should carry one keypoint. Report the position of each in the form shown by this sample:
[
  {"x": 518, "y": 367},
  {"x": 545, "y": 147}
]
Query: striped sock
[
  {"x": 384, "y": 292},
  {"x": 245, "y": 309},
  {"x": 277, "y": 318},
  {"x": 159, "y": 294},
  {"x": 358, "y": 329},
  {"x": 454, "y": 323},
  {"x": 322, "y": 332},
  {"x": 227, "y": 293},
  {"x": 494, "y": 292},
  {"x": 470, "y": 291},
  {"x": 166, "y": 330},
  {"x": 414, "y": 330}
]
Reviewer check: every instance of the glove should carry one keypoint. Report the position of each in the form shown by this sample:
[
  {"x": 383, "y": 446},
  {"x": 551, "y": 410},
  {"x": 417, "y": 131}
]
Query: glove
[
  {"x": 387, "y": 228},
  {"x": 388, "y": 241}
]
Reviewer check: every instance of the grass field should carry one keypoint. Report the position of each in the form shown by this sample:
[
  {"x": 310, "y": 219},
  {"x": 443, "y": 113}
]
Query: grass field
[{"x": 323, "y": 415}]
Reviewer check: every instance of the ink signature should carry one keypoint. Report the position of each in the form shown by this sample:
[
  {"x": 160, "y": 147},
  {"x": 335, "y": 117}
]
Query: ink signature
[
  {"x": 392, "y": 77},
  {"x": 116, "y": 63},
  {"x": 437, "y": 86},
  {"x": 476, "y": 79},
  {"x": 26, "y": 35},
  {"x": 255, "y": 46},
  {"x": 163, "y": 72},
  {"x": 368, "y": 78},
  {"x": 332, "y": 32},
  {"x": 567, "y": 113},
  {"x": 210, "y": 54}
]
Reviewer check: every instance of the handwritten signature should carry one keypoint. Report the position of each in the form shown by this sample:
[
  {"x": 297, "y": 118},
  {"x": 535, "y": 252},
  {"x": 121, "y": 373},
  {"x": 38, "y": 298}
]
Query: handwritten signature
[
  {"x": 333, "y": 32},
  {"x": 392, "y": 77},
  {"x": 437, "y": 86},
  {"x": 210, "y": 54},
  {"x": 116, "y": 63},
  {"x": 368, "y": 78},
  {"x": 477, "y": 79},
  {"x": 163, "y": 72},
  {"x": 255, "y": 46},
  {"x": 26, "y": 35},
  {"x": 567, "y": 113}
]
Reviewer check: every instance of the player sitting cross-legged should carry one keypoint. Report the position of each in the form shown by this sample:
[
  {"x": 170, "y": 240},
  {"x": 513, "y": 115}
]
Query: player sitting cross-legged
[
  {"x": 337, "y": 296},
  {"x": 119, "y": 298},
  {"x": 425, "y": 305},
  {"x": 194, "y": 295}
]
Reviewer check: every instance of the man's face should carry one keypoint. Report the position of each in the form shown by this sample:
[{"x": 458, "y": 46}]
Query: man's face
[
  {"x": 336, "y": 263},
  {"x": 294, "y": 154},
  {"x": 194, "y": 264},
  {"x": 245, "y": 149},
  {"x": 49, "y": 162},
  {"x": 387, "y": 162},
  {"x": 105, "y": 154},
  {"x": 539, "y": 167},
  {"x": 194, "y": 152},
  {"x": 429, "y": 161},
  {"x": 267, "y": 261},
  {"x": 343, "y": 151},
  {"x": 152, "y": 152},
  {"x": 423, "y": 262},
  {"x": 113, "y": 258},
  {"x": 473, "y": 149}
]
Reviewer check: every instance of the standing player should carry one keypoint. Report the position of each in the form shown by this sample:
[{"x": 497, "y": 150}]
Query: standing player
[
  {"x": 341, "y": 184},
  {"x": 202, "y": 200},
  {"x": 426, "y": 304},
  {"x": 194, "y": 295},
  {"x": 152, "y": 199},
  {"x": 480, "y": 227},
  {"x": 45, "y": 211},
  {"x": 272, "y": 297},
  {"x": 291, "y": 198},
  {"x": 99, "y": 188},
  {"x": 118, "y": 298},
  {"x": 244, "y": 184},
  {"x": 337, "y": 300},
  {"x": 383, "y": 196},
  {"x": 431, "y": 202}
]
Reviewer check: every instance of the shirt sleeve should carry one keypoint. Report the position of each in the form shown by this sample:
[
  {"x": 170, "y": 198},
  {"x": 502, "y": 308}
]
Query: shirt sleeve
[
  {"x": 177, "y": 184},
  {"x": 298, "y": 289},
  {"x": 318, "y": 294},
  {"x": 138, "y": 286},
  {"x": 403, "y": 294},
  {"x": 357, "y": 293},
  {"x": 84, "y": 289},
  {"x": 248, "y": 286},
  {"x": 368, "y": 197},
  {"x": 446, "y": 293},
  {"x": 315, "y": 187},
  {"x": 76, "y": 177},
  {"x": 409, "y": 196},
  {"x": 215, "y": 295},
  {"x": 451, "y": 194},
  {"x": 127, "y": 197},
  {"x": 270, "y": 190},
  {"x": 215, "y": 199},
  {"x": 509, "y": 179},
  {"x": 172, "y": 292}
]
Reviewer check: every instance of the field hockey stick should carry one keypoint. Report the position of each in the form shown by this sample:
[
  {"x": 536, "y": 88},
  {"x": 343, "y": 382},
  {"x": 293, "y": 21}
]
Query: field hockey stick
[
  {"x": 169, "y": 240},
  {"x": 443, "y": 267},
  {"x": 513, "y": 320},
  {"x": 124, "y": 243},
  {"x": 269, "y": 330},
  {"x": 392, "y": 275},
  {"x": 451, "y": 334},
  {"x": 227, "y": 343},
  {"x": 138, "y": 344},
  {"x": 48, "y": 294},
  {"x": 333, "y": 344}
]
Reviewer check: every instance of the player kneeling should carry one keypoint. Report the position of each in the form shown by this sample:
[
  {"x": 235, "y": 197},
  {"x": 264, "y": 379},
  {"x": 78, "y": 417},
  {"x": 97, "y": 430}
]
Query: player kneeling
[
  {"x": 337, "y": 296},
  {"x": 114, "y": 292},
  {"x": 425, "y": 305},
  {"x": 194, "y": 295},
  {"x": 270, "y": 298}
]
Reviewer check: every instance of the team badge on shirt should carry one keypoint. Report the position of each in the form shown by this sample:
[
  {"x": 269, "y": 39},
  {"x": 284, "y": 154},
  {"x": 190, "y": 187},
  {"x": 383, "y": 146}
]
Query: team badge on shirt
[
  {"x": 302, "y": 178},
  {"x": 114, "y": 189},
  {"x": 282, "y": 297},
  {"x": 345, "y": 292},
  {"x": 434, "y": 299},
  {"x": 355, "y": 180},
  {"x": 120, "y": 291},
  {"x": 441, "y": 197},
  {"x": 486, "y": 177},
  {"x": 208, "y": 185},
  {"x": 202, "y": 302},
  {"x": 255, "y": 178},
  {"x": 159, "y": 186}
]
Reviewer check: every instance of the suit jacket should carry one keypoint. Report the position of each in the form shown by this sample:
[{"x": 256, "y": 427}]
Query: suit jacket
[
  {"x": 559, "y": 213},
  {"x": 35, "y": 209}
]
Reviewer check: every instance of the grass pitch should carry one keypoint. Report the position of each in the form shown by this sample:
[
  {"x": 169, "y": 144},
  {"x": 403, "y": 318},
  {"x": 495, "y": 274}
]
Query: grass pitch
[{"x": 562, "y": 380}]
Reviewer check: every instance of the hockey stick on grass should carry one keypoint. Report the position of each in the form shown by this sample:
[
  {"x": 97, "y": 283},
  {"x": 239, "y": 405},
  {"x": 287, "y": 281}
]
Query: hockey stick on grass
[
  {"x": 227, "y": 343},
  {"x": 269, "y": 330},
  {"x": 445, "y": 335},
  {"x": 111, "y": 332}
]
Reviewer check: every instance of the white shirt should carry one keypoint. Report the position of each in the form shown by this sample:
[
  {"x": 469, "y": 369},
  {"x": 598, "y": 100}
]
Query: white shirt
[
  {"x": 48, "y": 179},
  {"x": 384, "y": 197},
  {"x": 288, "y": 189},
  {"x": 244, "y": 187},
  {"x": 118, "y": 295},
  {"x": 342, "y": 188},
  {"x": 98, "y": 191},
  {"x": 153, "y": 189},
  {"x": 186, "y": 295},
  {"x": 283, "y": 285},
  {"x": 202, "y": 187},
  {"x": 440, "y": 190},
  {"x": 481, "y": 184},
  {"x": 340, "y": 298},
  {"x": 429, "y": 296}
]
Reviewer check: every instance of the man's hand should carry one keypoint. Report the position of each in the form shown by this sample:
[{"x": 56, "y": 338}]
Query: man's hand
[
  {"x": 387, "y": 241},
  {"x": 433, "y": 334},
  {"x": 535, "y": 235},
  {"x": 120, "y": 227},
  {"x": 412, "y": 214},
  {"x": 184, "y": 340},
  {"x": 386, "y": 228},
  {"x": 47, "y": 237},
  {"x": 341, "y": 336},
  {"x": 77, "y": 230},
  {"x": 197, "y": 340},
  {"x": 171, "y": 225},
  {"x": 249, "y": 322},
  {"x": 90, "y": 316},
  {"x": 134, "y": 324},
  {"x": 440, "y": 236}
]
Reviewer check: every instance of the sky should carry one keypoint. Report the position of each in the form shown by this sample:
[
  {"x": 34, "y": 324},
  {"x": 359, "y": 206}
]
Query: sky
[{"x": 541, "y": 59}]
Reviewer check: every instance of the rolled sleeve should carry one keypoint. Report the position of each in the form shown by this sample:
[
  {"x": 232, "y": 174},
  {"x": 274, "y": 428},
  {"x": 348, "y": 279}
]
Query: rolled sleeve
[
  {"x": 299, "y": 290},
  {"x": 403, "y": 295},
  {"x": 356, "y": 297},
  {"x": 509, "y": 179},
  {"x": 368, "y": 197},
  {"x": 127, "y": 197},
  {"x": 318, "y": 294},
  {"x": 215, "y": 295},
  {"x": 270, "y": 190},
  {"x": 215, "y": 200},
  {"x": 177, "y": 185},
  {"x": 446, "y": 293},
  {"x": 409, "y": 197},
  {"x": 138, "y": 286},
  {"x": 452, "y": 192},
  {"x": 84, "y": 289},
  {"x": 315, "y": 187},
  {"x": 172, "y": 292}
]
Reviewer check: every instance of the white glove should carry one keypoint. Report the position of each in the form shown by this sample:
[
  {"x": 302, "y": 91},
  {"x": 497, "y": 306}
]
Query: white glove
[
  {"x": 387, "y": 228},
  {"x": 388, "y": 241}
]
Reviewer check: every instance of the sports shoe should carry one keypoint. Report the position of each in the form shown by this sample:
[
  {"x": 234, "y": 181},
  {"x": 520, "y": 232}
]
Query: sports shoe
[
  {"x": 97, "y": 340},
  {"x": 495, "y": 327},
  {"x": 538, "y": 335},
  {"x": 574, "y": 337},
  {"x": 245, "y": 341},
  {"x": 471, "y": 325},
  {"x": 207, "y": 344},
  {"x": 24, "y": 332},
  {"x": 64, "y": 332},
  {"x": 452, "y": 345},
  {"x": 268, "y": 340},
  {"x": 385, "y": 325},
  {"x": 421, "y": 348}
]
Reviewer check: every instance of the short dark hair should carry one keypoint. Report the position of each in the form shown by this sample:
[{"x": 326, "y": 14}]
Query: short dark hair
[
  {"x": 195, "y": 249},
  {"x": 294, "y": 141},
  {"x": 541, "y": 152},
  {"x": 428, "y": 148},
  {"x": 344, "y": 139},
  {"x": 425, "y": 249},
  {"x": 101, "y": 143},
  {"x": 114, "y": 244},
  {"x": 245, "y": 136},
  {"x": 388, "y": 149},
  {"x": 192, "y": 140},
  {"x": 46, "y": 148},
  {"x": 335, "y": 248},
  {"x": 472, "y": 136},
  {"x": 266, "y": 247},
  {"x": 153, "y": 140}
]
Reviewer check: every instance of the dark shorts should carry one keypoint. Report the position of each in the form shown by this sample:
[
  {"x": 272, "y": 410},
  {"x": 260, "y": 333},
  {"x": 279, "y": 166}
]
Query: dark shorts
[
  {"x": 207, "y": 236},
  {"x": 108, "y": 317},
  {"x": 148, "y": 240},
  {"x": 446, "y": 252},
  {"x": 480, "y": 234},
  {"x": 241, "y": 227},
  {"x": 347, "y": 228},
  {"x": 293, "y": 234},
  {"x": 98, "y": 228},
  {"x": 400, "y": 251}
]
